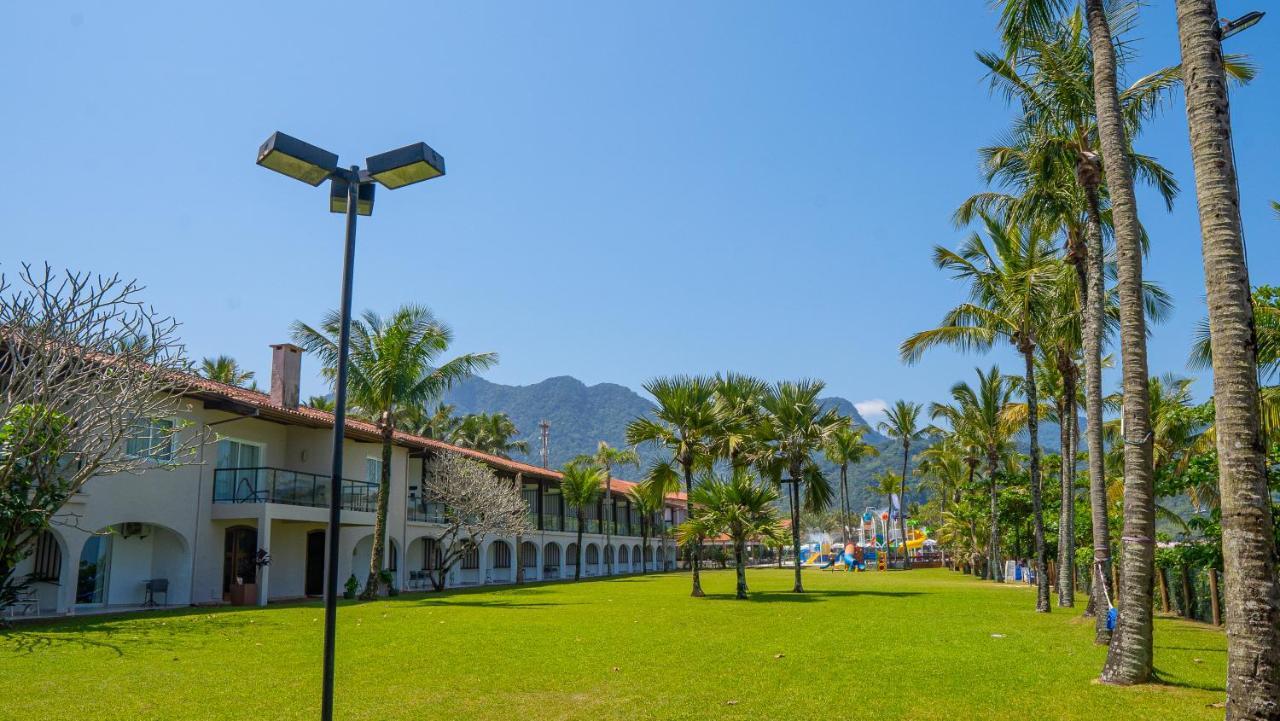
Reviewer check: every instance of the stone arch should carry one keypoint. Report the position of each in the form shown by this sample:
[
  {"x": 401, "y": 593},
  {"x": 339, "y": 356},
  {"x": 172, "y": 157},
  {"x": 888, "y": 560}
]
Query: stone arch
[
  {"x": 125, "y": 555},
  {"x": 530, "y": 561},
  {"x": 551, "y": 561},
  {"x": 500, "y": 562}
]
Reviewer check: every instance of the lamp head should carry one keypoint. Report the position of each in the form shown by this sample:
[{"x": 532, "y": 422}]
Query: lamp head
[
  {"x": 296, "y": 159},
  {"x": 405, "y": 166}
]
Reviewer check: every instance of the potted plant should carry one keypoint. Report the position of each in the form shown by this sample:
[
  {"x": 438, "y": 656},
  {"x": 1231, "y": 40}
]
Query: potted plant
[
  {"x": 351, "y": 587},
  {"x": 246, "y": 593}
]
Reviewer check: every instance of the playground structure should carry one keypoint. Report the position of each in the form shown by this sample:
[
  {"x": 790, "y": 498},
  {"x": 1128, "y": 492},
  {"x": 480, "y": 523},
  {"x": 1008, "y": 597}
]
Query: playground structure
[{"x": 876, "y": 536}]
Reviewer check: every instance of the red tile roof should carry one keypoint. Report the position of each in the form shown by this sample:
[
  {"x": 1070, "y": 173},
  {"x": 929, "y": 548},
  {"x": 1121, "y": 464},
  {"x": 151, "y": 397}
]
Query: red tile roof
[{"x": 206, "y": 389}]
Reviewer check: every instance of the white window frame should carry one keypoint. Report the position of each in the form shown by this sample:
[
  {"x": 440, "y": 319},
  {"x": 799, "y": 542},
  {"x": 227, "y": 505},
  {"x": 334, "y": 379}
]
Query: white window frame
[
  {"x": 260, "y": 445},
  {"x": 375, "y": 459},
  {"x": 150, "y": 456}
]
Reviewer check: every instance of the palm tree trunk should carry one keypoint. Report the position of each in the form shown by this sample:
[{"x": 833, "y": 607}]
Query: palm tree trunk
[
  {"x": 577, "y": 566},
  {"x": 1094, "y": 304},
  {"x": 844, "y": 497},
  {"x": 740, "y": 562},
  {"x": 380, "y": 518},
  {"x": 1129, "y": 656},
  {"x": 795, "y": 529},
  {"x": 1250, "y": 585},
  {"x": 644, "y": 543},
  {"x": 695, "y": 554},
  {"x": 994, "y": 572},
  {"x": 1037, "y": 500},
  {"x": 1067, "y": 469},
  {"x": 902, "y": 505}
]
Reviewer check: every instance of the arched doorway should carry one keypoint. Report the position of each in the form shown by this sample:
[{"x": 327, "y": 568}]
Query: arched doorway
[
  {"x": 95, "y": 569},
  {"x": 500, "y": 563},
  {"x": 624, "y": 558},
  {"x": 529, "y": 561},
  {"x": 593, "y": 560},
  {"x": 570, "y": 558}
]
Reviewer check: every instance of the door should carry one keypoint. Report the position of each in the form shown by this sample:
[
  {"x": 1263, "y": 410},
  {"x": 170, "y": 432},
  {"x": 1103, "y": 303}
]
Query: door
[
  {"x": 315, "y": 564},
  {"x": 240, "y": 548},
  {"x": 95, "y": 566}
]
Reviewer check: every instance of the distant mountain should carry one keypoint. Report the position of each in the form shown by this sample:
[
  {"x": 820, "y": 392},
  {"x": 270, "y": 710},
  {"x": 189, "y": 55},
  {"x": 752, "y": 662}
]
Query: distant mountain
[{"x": 580, "y": 415}]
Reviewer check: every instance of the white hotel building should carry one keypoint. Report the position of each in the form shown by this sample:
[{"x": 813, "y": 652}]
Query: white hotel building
[{"x": 188, "y": 535}]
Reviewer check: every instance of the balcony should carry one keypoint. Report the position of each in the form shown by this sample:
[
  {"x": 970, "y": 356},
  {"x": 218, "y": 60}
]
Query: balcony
[
  {"x": 423, "y": 512},
  {"x": 293, "y": 488}
]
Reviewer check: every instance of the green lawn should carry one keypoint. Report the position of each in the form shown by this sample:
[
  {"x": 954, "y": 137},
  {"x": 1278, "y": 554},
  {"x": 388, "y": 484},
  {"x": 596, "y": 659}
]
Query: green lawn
[{"x": 917, "y": 645}]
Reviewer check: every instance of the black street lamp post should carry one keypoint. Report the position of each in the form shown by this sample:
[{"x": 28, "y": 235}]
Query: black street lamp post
[{"x": 350, "y": 192}]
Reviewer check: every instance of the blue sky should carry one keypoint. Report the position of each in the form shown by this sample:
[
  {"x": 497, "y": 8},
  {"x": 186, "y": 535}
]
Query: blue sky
[{"x": 634, "y": 189}]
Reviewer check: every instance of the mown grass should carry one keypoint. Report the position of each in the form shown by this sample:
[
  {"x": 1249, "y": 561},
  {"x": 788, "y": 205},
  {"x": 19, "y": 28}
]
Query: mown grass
[{"x": 918, "y": 645}]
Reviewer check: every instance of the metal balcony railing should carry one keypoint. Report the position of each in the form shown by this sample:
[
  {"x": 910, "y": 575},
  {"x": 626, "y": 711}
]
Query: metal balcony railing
[{"x": 293, "y": 488}]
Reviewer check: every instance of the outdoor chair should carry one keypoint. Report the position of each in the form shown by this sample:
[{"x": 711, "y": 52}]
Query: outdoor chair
[
  {"x": 27, "y": 602},
  {"x": 153, "y": 586}
]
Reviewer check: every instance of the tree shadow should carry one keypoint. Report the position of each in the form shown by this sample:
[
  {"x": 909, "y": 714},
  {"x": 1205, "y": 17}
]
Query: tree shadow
[
  {"x": 809, "y": 596},
  {"x": 1162, "y": 680}
]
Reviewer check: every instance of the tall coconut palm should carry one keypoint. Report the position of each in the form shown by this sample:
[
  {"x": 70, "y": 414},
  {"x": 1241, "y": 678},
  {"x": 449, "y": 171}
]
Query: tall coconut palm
[
  {"x": 490, "y": 433},
  {"x": 225, "y": 369},
  {"x": 846, "y": 447},
  {"x": 393, "y": 365},
  {"x": 684, "y": 421},
  {"x": 580, "y": 485},
  {"x": 794, "y": 428},
  {"x": 738, "y": 507},
  {"x": 608, "y": 457},
  {"x": 1251, "y": 584},
  {"x": 902, "y": 423},
  {"x": 648, "y": 501},
  {"x": 1012, "y": 286},
  {"x": 1049, "y": 69},
  {"x": 981, "y": 417}
]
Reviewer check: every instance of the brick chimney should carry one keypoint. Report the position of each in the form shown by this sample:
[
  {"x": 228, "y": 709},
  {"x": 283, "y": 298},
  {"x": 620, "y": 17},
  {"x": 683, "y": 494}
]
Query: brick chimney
[{"x": 286, "y": 371}]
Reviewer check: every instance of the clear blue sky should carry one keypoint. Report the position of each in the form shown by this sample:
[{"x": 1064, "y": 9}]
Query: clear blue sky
[{"x": 634, "y": 189}]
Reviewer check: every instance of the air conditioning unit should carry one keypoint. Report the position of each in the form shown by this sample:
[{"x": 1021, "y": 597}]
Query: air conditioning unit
[{"x": 133, "y": 528}]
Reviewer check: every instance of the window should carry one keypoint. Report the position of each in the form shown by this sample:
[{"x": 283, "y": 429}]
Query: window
[
  {"x": 151, "y": 439},
  {"x": 501, "y": 555},
  {"x": 471, "y": 559},
  {"x": 238, "y": 454},
  {"x": 48, "y": 559},
  {"x": 373, "y": 469}
]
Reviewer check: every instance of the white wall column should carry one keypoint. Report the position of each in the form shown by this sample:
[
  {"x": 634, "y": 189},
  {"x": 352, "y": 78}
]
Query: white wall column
[{"x": 264, "y": 542}]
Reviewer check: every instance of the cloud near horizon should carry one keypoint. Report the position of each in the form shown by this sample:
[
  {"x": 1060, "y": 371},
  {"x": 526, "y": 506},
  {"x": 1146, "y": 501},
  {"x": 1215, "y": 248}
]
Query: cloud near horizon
[{"x": 872, "y": 410}]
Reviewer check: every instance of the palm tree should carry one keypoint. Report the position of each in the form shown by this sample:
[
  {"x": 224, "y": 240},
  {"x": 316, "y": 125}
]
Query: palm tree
[
  {"x": 793, "y": 428},
  {"x": 648, "y": 502},
  {"x": 489, "y": 433},
  {"x": 843, "y": 448},
  {"x": 392, "y": 367},
  {"x": 982, "y": 418},
  {"x": 225, "y": 369},
  {"x": 684, "y": 421},
  {"x": 322, "y": 403},
  {"x": 439, "y": 423},
  {"x": 607, "y": 457},
  {"x": 1251, "y": 585},
  {"x": 737, "y": 405},
  {"x": 580, "y": 487},
  {"x": 1012, "y": 288},
  {"x": 740, "y": 508},
  {"x": 902, "y": 423}
]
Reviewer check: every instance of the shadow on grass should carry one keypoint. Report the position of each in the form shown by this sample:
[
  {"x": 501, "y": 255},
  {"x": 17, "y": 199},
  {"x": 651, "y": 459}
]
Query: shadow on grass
[
  {"x": 809, "y": 596},
  {"x": 1162, "y": 680},
  {"x": 133, "y": 630}
]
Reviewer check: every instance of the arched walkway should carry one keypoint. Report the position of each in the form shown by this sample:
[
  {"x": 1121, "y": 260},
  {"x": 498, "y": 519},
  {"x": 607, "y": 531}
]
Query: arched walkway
[
  {"x": 624, "y": 559},
  {"x": 570, "y": 560},
  {"x": 551, "y": 564},
  {"x": 501, "y": 565},
  {"x": 529, "y": 565},
  {"x": 637, "y": 562},
  {"x": 422, "y": 560},
  {"x": 591, "y": 565},
  {"x": 116, "y": 563}
]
